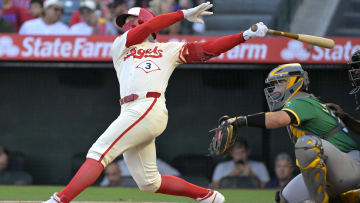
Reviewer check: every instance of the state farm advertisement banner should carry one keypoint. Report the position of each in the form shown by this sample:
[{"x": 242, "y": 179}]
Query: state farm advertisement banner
[{"x": 98, "y": 48}]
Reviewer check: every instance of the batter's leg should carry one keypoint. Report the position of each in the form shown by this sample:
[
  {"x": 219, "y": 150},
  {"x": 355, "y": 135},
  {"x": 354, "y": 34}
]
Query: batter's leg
[
  {"x": 141, "y": 161},
  {"x": 136, "y": 125}
]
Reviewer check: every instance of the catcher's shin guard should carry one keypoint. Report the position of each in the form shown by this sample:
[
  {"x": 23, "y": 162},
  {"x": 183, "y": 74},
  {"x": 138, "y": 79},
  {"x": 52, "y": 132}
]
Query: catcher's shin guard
[
  {"x": 352, "y": 196},
  {"x": 309, "y": 158}
]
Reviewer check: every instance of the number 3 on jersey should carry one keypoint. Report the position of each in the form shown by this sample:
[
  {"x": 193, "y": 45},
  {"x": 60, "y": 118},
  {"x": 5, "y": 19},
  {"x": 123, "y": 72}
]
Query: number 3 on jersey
[{"x": 148, "y": 66}]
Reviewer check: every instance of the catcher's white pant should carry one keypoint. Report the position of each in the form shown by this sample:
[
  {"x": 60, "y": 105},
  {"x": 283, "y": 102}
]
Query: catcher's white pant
[
  {"x": 133, "y": 134},
  {"x": 343, "y": 174}
]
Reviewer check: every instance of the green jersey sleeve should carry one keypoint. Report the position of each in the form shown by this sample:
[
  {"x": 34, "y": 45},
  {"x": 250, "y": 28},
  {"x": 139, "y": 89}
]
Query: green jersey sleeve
[{"x": 301, "y": 109}]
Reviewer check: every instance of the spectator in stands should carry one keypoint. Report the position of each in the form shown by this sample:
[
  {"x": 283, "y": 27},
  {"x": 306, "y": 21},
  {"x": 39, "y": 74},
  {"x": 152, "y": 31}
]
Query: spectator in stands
[
  {"x": 22, "y": 3},
  {"x": 283, "y": 171},
  {"x": 118, "y": 169},
  {"x": 49, "y": 23},
  {"x": 101, "y": 10},
  {"x": 11, "y": 176},
  {"x": 116, "y": 8},
  {"x": 186, "y": 26},
  {"x": 92, "y": 23},
  {"x": 35, "y": 9},
  {"x": 16, "y": 15},
  {"x": 113, "y": 175},
  {"x": 165, "y": 6},
  {"x": 240, "y": 165},
  {"x": 5, "y": 25}
]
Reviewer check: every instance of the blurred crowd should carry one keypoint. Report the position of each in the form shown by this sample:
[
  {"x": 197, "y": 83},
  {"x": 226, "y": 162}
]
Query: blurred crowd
[
  {"x": 84, "y": 17},
  {"x": 236, "y": 171}
]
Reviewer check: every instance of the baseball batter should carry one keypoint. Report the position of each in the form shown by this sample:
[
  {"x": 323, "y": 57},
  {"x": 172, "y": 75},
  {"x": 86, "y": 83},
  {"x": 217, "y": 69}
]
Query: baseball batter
[
  {"x": 328, "y": 158},
  {"x": 143, "y": 68}
]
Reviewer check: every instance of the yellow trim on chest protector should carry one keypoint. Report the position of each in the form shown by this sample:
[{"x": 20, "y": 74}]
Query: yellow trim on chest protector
[{"x": 296, "y": 132}]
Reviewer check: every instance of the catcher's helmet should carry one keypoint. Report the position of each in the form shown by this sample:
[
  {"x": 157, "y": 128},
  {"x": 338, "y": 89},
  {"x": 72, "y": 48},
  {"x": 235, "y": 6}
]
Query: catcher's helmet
[
  {"x": 283, "y": 82},
  {"x": 142, "y": 15}
]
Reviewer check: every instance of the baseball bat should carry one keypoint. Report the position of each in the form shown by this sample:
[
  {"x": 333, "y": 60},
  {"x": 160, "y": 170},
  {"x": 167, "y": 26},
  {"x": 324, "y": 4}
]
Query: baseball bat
[{"x": 309, "y": 39}]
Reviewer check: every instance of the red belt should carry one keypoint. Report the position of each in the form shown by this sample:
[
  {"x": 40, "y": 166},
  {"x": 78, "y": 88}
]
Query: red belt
[{"x": 133, "y": 97}]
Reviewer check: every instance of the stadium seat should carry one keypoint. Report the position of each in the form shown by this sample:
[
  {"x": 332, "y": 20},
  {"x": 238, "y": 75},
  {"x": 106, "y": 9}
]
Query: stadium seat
[
  {"x": 346, "y": 19},
  {"x": 245, "y": 6},
  {"x": 239, "y": 182},
  {"x": 236, "y": 22},
  {"x": 235, "y": 15}
]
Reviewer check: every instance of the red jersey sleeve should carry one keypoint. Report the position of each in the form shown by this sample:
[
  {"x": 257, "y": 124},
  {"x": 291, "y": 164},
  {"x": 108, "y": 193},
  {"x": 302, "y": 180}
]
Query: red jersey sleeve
[
  {"x": 140, "y": 33},
  {"x": 203, "y": 51}
]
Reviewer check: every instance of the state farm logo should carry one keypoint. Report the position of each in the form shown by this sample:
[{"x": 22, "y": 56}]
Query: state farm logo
[
  {"x": 8, "y": 48},
  {"x": 340, "y": 52},
  {"x": 295, "y": 50},
  {"x": 65, "y": 48}
]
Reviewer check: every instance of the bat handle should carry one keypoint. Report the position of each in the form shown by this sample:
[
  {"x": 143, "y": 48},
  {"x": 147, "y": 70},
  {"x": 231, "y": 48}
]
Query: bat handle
[
  {"x": 285, "y": 34},
  {"x": 274, "y": 32}
]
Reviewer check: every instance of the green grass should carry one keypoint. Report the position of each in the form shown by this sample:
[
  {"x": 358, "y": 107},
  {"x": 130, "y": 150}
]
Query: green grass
[{"x": 27, "y": 193}]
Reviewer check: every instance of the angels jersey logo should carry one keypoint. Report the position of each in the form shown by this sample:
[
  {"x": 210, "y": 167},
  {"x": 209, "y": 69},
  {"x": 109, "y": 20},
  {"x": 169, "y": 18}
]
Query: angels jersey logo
[
  {"x": 142, "y": 53},
  {"x": 148, "y": 66}
]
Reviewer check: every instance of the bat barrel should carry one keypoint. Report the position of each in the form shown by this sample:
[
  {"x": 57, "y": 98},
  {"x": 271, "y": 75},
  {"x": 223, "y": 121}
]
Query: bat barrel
[{"x": 310, "y": 39}]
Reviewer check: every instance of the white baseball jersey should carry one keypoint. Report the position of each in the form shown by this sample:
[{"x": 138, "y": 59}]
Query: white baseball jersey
[
  {"x": 145, "y": 67},
  {"x": 141, "y": 68}
]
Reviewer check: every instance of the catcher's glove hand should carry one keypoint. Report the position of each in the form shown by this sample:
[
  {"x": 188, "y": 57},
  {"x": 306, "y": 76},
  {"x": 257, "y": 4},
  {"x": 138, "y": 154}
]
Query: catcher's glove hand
[{"x": 225, "y": 135}]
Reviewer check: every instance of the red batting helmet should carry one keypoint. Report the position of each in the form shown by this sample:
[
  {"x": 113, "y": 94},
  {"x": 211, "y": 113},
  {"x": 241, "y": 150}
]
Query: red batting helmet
[{"x": 142, "y": 15}]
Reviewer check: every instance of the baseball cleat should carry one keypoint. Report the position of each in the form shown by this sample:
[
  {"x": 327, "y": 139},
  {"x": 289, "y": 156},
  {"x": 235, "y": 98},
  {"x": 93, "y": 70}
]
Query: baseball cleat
[
  {"x": 53, "y": 199},
  {"x": 212, "y": 197}
]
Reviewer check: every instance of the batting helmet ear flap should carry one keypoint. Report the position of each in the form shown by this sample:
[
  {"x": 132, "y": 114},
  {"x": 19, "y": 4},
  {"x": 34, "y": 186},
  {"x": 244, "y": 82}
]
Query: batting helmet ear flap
[{"x": 142, "y": 15}]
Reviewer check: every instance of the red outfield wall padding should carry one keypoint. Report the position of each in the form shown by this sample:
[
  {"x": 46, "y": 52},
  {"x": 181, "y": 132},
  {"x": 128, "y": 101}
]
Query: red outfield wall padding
[{"x": 97, "y": 48}]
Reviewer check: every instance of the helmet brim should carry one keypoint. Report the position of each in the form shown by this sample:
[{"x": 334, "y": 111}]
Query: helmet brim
[{"x": 121, "y": 19}]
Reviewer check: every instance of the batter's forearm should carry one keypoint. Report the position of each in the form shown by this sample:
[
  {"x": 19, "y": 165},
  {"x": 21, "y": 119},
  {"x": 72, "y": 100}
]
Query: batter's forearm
[
  {"x": 352, "y": 123},
  {"x": 140, "y": 33},
  {"x": 223, "y": 44}
]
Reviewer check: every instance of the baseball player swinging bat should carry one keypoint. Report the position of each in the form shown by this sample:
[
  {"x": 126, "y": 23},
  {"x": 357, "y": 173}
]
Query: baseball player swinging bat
[{"x": 309, "y": 39}]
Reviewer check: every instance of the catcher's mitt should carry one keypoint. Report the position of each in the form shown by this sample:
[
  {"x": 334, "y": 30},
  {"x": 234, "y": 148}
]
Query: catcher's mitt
[{"x": 224, "y": 138}]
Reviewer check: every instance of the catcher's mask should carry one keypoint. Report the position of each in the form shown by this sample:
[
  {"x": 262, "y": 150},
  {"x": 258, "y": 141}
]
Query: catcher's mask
[
  {"x": 283, "y": 82},
  {"x": 354, "y": 75},
  {"x": 141, "y": 16}
]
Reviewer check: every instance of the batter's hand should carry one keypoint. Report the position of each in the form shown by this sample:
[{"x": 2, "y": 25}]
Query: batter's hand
[
  {"x": 257, "y": 30},
  {"x": 194, "y": 14}
]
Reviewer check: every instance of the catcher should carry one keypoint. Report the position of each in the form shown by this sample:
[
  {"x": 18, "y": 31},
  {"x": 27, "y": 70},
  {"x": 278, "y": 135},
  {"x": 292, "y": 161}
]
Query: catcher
[{"x": 327, "y": 157}]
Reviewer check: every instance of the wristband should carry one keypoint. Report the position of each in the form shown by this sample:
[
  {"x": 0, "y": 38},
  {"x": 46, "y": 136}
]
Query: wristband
[{"x": 256, "y": 120}]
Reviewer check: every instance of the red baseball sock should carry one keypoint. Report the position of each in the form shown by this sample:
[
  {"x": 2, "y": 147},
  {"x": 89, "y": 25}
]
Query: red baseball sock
[
  {"x": 173, "y": 185},
  {"x": 86, "y": 176}
]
